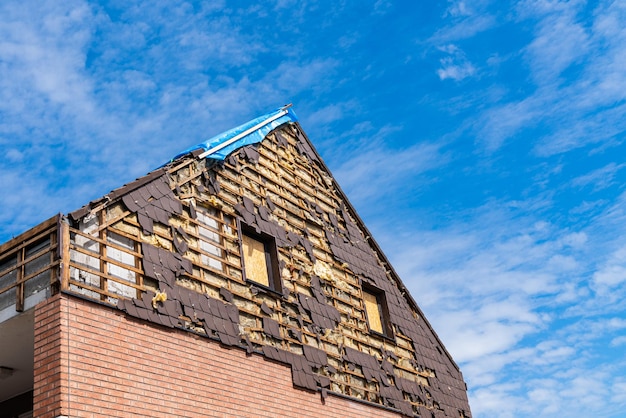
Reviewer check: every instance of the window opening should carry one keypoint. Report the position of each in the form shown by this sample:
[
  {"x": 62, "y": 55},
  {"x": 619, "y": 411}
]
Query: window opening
[
  {"x": 376, "y": 311},
  {"x": 210, "y": 238},
  {"x": 118, "y": 270},
  {"x": 260, "y": 258}
]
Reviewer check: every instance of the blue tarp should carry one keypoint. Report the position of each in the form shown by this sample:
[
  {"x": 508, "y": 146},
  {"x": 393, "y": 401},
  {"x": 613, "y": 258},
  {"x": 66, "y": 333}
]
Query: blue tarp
[{"x": 266, "y": 126}]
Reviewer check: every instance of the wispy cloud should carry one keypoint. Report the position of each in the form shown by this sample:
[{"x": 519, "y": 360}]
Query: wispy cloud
[
  {"x": 458, "y": 8},
  {"x": 583, "y": 111},
  {"x": 600, "y": 178},
  {"x": 560, "y": 41},
  {"x": 468, "y": 18},
  {"x": 613, "y": 272},
  {"x": 122, "y": 89},
  {"x": 522, "y": 280},
  {"x": 456, "y": 66},
  {"x": 368, "y": 173}
]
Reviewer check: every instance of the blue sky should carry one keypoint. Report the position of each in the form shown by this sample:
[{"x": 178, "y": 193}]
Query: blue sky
[{"x": 481, "y": 141}]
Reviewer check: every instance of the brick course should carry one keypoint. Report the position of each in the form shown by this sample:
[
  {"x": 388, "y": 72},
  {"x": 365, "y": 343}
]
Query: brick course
[
  {"x": 120, "y": 367},
  {"x": 50, "y": 362}
]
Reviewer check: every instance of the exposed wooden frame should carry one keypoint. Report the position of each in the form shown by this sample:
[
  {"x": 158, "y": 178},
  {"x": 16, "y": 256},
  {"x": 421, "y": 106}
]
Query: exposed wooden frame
[{"x": 18, "y": 247}]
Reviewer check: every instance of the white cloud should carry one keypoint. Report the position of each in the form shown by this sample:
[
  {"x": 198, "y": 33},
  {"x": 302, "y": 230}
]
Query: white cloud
[
  {"x": 488, "y": 330},
  {"x": 498, "y": 287},
  {"x": 586, "y": 206},
  {"x": 613, "y": 272},
  {"x": 333, "y": 112},
  {"x": 575, "y": 239},
  {"x": 576, "y": 95},
  {"x": 600, "y": 178},
  {"x": 618, "y": 391},
  {"x": 292, "y": 77},
  {"x": 123, "y": 90},
  {"x": 560, "y": 41},
  {"x": 501, "y": 122},
  {"x": 498, "y": 400},
  {"x": 382, "y": 7},
  {"x": 468, "y": 18},
  {"x": 368, "y": 174},
  {"x": 618, "y": 341},
  {"x": 458, "y": 8},
  {"x": 46, "y": 55},
  {"x": 453, "y": 71},
  {"x": 455, "y": 66}
]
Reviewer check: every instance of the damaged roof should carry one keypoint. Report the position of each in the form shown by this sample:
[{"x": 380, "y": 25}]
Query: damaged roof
[{"x": 266, "y": 176}]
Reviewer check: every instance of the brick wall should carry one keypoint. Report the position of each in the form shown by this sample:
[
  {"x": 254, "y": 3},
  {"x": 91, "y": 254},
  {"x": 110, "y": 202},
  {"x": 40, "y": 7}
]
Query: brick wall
[
  {"x": 120, "y": 367},
  {"x": 50, "y": 362}
]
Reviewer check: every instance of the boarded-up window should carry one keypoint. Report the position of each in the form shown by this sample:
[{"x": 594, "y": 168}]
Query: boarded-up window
[
  {"x": 255, "y": 260},
  {"x": 372, "y": 309},
  {"x": 376, "y": 311},
  {"x": 260, "y": 258}
]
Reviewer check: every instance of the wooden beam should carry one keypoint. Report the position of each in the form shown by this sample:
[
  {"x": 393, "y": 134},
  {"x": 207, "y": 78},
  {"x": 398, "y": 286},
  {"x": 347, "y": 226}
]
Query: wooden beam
[
  {"x": 64, "y": 246},
  {"x": 19, "y": 290},
  {"x": 14, "y": 243}
]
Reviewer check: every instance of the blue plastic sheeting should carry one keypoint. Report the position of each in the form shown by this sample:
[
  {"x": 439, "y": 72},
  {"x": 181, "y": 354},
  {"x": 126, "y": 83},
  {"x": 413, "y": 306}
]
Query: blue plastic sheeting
[{"x": 266, "y": 125}]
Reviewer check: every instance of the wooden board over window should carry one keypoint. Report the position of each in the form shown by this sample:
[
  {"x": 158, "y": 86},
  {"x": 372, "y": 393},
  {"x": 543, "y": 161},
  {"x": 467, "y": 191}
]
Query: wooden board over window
[
  {"x": 373, "y": 310},
  {"x": 255, "y": 260}
]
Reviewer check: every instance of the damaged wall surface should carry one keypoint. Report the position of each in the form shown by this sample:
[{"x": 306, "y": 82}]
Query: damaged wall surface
[{"x": 176, "y": 248}]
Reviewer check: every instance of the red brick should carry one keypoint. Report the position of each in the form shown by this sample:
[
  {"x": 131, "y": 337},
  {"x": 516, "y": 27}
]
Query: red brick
[{"x": 114, "y": 366}]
